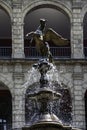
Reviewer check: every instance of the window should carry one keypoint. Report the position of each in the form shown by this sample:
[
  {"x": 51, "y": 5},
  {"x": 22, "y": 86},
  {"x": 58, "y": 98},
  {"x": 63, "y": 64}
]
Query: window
[
  {"x": 5, "y": 109},
  {"x": 55, "y": 20},
  {"x": 5, "y": 34}
]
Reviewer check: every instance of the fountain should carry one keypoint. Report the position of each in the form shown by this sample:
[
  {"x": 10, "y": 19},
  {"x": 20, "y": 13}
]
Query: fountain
[
  {"x": 45, "y": 95},
  {"x": 44, "y": 118}
]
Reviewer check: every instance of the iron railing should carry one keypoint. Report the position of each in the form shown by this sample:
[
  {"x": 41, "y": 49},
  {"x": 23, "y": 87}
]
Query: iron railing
[
  {"x": 30, "y": 52},
  {"x": 5, "y": 52},
  {"x": 5, "y": 126},
  {"x": 57, "y": 52},
  {"x": 85, "y": 52}
]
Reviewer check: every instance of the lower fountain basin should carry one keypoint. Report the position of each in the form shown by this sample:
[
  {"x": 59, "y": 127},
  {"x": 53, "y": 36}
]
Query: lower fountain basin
[
  {"x": 44, "y": 126},
  {"x": 48, "y": 126}
]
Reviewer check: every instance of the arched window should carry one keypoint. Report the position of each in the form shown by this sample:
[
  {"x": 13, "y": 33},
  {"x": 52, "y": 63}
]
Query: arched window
[
  {"x": 86, "y": 108},
  {"x": 85, "y": 34},
  {"x": 55, "y": 20},
  {"x": 5, "y": 108},
  {"x": 5, "y": 34}
]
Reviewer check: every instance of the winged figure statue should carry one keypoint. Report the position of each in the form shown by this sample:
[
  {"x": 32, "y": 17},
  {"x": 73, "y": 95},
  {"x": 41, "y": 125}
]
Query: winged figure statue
[{"x": 42, "y": 37}]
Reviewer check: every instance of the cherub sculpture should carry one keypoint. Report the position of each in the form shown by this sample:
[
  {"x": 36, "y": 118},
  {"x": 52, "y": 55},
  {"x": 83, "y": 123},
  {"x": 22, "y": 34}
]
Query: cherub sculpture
[{"x": 42, "y": 36}]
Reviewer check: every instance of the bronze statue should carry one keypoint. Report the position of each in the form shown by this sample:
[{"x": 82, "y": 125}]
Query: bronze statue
[{"x": 43, "y": 36}]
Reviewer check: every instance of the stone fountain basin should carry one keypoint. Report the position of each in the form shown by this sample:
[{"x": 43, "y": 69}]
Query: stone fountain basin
[
  {"x": 44, "y": 126},
  {"x": 45, "y": 93},
  {"x": 48, "y": 126}
]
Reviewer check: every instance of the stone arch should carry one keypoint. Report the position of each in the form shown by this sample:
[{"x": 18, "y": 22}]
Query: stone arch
[
  {"x": 7, "y": 83},
  {"x": 85, "y": 107},
  {"x": 5, "y": 34},
  {"x": 84, "y": 11},
  {"x": 56, "y": 5},
  {"x": 5, "y": 104},
  {"x": 7, "y": 8},
  {"x": 84, "y": 15},
  {"x": 84, "y": 88}
]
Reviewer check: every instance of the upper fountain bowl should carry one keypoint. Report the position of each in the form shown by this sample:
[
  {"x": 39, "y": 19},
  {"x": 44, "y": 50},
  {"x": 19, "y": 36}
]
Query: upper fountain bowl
[{"x": 43, "y": 66}]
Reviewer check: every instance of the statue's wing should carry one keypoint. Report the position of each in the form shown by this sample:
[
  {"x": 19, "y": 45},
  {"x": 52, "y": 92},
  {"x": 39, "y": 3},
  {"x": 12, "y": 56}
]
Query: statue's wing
[{"x": 57, "y": 39}]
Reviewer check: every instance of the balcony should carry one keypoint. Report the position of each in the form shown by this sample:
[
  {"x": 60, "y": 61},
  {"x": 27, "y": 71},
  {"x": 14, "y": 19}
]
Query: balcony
[
  {"x": 57, "y": 52},
  {"x": 31, "y": 52},
  {"x": 5, "y": 52}
]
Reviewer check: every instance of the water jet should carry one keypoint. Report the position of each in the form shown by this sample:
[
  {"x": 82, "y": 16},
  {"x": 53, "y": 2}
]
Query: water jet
[{"x": 44, "y": 118}]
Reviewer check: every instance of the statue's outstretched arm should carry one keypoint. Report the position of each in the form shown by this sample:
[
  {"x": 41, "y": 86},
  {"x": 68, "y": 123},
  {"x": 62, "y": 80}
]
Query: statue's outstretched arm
[{"x": 29, "y": 34}]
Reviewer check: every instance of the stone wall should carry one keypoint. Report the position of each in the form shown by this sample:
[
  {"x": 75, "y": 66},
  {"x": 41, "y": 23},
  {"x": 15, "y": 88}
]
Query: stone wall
[{"x": 13, "y": 73}]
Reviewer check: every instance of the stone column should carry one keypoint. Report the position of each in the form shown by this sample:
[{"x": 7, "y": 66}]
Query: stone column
[
  {"x": 77, "y": 32},
  {"x": 17, "y": 31},
  {"x": 18, "y": 102},
  {"x": 78, "y": 102}
]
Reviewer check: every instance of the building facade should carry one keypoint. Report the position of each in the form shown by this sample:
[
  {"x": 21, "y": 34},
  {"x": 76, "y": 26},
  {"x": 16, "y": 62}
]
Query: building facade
[{"x": 14, "y": 71}]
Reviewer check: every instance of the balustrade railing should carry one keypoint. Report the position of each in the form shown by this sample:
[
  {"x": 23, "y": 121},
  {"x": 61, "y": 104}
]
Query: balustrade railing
[
  {"x": 57, "y": 52},
  {"x": 85, "y": 52},
  {"x": 5, "y": 52},
  {"x": 31, "y": 52},
  {"x": 5, "y": 126}
]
